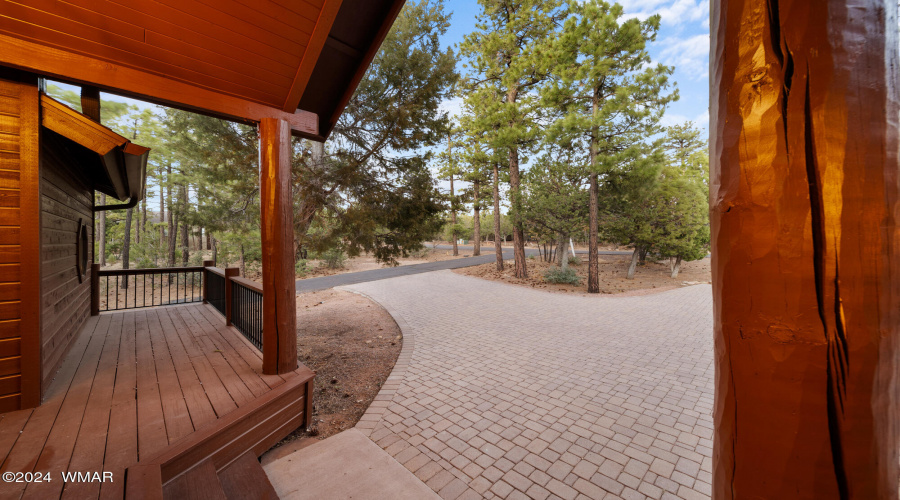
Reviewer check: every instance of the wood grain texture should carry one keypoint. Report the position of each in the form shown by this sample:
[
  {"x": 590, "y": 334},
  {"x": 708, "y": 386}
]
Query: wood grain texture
[
  {"x": 805, "y": 201},
  {"x": 277, "y": 231},
  {"x": 167, "y": 91},
  {"x": 320, "y": 33},
  {"x": 65, "y": 199}
]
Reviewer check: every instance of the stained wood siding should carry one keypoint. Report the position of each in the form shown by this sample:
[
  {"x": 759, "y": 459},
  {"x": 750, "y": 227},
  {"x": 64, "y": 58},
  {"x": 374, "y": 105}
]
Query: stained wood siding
[
  {"x": 65, "y": 302},
  {"x": 19, "y": 289}
]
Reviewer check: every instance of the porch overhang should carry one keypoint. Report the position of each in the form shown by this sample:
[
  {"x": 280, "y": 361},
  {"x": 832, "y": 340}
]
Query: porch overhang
[{"x": 293, "y": 61}]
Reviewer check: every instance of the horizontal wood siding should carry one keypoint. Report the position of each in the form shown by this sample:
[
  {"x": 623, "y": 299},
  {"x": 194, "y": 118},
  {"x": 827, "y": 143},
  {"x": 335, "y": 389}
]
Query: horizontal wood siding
[
  {"x": 65, "y": 300},
  {"x": 19, "y": 243}
]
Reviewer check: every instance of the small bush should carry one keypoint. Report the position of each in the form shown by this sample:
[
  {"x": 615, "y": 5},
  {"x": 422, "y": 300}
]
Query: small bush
[
  {"x": 420, "y": 253},
  {"x": 334, "y": 258},
  {"x": 560, "y": 275},
  {"x": 301, "y": 267},
  {"x": 574, "y": 260}
]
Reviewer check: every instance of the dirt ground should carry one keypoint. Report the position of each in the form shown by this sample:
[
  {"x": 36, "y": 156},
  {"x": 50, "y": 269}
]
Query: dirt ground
[
  {"x": 352, "y": 344},
  {"x": 651, "y": 277}
]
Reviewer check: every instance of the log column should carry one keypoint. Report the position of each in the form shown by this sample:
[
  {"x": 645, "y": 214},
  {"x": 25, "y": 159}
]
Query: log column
[
  {"x": 806, "y": 278},
  {"x": 277, "y": 230}
]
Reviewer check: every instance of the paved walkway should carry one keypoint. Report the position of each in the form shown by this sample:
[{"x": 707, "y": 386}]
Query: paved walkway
[
  {"x": 507, "y": 392},
  {"x": 487, "y": 255}
]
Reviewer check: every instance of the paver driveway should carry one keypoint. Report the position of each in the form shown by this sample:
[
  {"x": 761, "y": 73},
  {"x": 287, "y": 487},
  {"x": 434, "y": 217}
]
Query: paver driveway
[{"x": 507, "y": 392}]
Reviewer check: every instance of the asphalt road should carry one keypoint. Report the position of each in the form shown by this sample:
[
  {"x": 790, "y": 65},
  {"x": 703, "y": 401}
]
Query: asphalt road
[{"x": 487, "y": 255}]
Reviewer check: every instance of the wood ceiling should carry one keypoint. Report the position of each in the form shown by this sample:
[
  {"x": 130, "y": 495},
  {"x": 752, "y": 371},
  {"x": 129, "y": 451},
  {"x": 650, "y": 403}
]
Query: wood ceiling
[{"x": 238, "y": 59}]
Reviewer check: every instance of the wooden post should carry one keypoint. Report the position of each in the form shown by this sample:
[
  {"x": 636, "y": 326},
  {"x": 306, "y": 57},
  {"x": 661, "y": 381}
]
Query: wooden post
[
  {"x": 277, "y": 231},
  {"x": 229, "y": 272},
  {"x": 206, "y": 263},
  {"x": 95, "y": 289},
  {"x": 804, "y": 201}
]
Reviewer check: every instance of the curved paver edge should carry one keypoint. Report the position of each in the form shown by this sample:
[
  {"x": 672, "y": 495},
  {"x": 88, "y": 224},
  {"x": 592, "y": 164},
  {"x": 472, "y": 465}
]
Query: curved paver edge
[{"x": 375, "y": 411}]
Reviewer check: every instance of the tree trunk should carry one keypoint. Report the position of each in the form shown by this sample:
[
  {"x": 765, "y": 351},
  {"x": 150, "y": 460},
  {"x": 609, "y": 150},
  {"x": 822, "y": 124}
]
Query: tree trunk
[
  {"x": 185, "y": 241},
  {"x": 208, "y": 242},
  {"x": 102, "y": 230},
  {"x": 676, "y": 267},
  {"x": 498, "y": 247},
  {"x": 476, "y": 220},
  {"x": 644, "y": 251},
  {"x": 162, "y": 210},
  {"x": 215, "y": 251},
  {"x": 515, "y": 198},
  {"x": 453, "y": 217},
  {"x": 243, "y": 263},
  {"x": 562, "y": 259},
  {"x": 593, "y": 245},
  {"x": 126, "y": 246},
  {"x": 634, "y": 262}
]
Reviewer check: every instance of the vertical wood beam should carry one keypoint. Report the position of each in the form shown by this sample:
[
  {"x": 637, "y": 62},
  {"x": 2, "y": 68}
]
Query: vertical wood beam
[
  {"x": 277, "y": 231},
  {"x": 229, "y": 291},
  {"x": 804, "y": 200},
  {"x": 30, "y": 233}
]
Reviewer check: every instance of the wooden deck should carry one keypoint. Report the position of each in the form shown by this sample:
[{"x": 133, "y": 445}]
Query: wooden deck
[{"x": 137, "y": 385}]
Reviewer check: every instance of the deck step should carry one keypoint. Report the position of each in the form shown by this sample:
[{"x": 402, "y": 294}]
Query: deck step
[
  {"x": 199, "y": 483},
  {"x": 245, "y": 478}
]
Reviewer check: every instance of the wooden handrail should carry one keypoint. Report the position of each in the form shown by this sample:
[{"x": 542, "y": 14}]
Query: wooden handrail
[
  {"x": 216, "y": 270},
  {"x": 247, "y": 283},
  {"x": 149, "y": 270}
]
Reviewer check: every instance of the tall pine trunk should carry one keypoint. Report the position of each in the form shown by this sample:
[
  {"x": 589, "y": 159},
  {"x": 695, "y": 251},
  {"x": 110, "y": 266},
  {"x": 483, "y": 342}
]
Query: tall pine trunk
[
  {"x": 593, "y": 208},
  {"x": 593, "y": 245},
  {"x": 514, "y": 193},
  {"x": 185, "y": 241},
  {"x": 172, "y": 223},
  {"x": 102, "y": 231},
  {"x": 243, "y": 264},
  {"x": 498, "y": 247},
  {"x": 476, "y": 221},
  {"x": 215, "y": 251},
  {"x": 162, "y": 213},
  {"x": 453, "y": 217},
  {"x": 562, "y": 242},
  {"x": 126, "y": 247}
]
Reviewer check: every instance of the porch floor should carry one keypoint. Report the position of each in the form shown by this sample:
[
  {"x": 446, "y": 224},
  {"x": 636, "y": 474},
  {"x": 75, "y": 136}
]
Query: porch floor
[{"x": 133, "y": 383}]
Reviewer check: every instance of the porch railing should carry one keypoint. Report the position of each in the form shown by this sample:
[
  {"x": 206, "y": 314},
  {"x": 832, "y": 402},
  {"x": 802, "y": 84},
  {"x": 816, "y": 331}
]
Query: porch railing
[
  {"x": 238, "y": 299},
  {"x": 137, "y": 288},
  {"x": 247, "y": 308}
]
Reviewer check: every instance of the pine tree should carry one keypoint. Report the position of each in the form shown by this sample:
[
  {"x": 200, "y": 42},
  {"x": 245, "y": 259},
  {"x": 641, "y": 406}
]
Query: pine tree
[
  {"x": 611, "y": 99},
  {"x": 505, "y": 53}
]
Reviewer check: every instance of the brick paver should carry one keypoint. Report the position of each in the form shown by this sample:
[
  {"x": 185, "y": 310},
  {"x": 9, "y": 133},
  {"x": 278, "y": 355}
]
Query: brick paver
[{"x": 507, "y": 392}]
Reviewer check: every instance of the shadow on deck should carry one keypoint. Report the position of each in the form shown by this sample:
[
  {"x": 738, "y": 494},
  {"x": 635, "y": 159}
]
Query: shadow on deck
[{"x": 160, "y": 392}]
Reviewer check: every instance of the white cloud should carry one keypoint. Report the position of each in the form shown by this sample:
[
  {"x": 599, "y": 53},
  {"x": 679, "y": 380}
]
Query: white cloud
[
  {"x": 690, "y": 56},
  {"x": 452, "y": 106},
  {"x": 673, "y": 12}
]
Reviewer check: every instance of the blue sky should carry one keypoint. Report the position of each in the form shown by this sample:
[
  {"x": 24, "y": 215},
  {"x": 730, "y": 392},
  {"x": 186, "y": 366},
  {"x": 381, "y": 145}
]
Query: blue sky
[{"x": 683, "y": 42}]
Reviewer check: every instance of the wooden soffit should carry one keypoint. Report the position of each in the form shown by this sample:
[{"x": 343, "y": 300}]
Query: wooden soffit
[
  {"x": 117, "y": 166},
  {"x": 242, "y": 60}
]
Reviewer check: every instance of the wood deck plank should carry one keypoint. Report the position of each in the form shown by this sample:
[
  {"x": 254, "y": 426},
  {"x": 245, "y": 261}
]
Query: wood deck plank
[
  {"x": 90, "y": 446},
  {"x": 215, "y": 388},
  {"x": 251, "y": 355},
  {"x": 121, "y": 443},
  {"x": 176, "y": 416},
  {"x": 226, "y": 338},
  {"x": 151, "y": 421},
  {"x": 195, "y": 397},
  {"x": 27, "y": 445},
  {"x": 215, "y": 352},
  {"x": 56, "y": 453}
]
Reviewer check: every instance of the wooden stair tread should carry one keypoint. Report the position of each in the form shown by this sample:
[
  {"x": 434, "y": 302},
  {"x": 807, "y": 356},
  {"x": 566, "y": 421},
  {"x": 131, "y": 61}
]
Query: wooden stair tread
[
  {"x": 199, "y": 483},
  {"x": 245, "y": 478}
]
